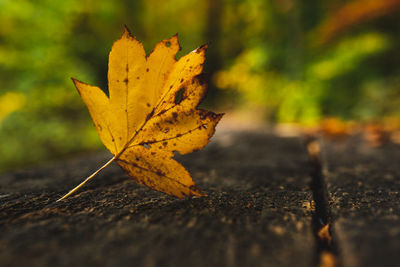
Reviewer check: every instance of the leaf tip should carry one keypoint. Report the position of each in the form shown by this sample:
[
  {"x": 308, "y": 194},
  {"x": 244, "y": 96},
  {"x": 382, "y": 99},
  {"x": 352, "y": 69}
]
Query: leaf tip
[
  {"x": 211, "y": 115},
  {"x": 202, "y": 48},
  {"x": 196, "y": 192},
  {"x": 79, "y": 85},
  {"x": 219, "y": 116},
  {"x": 77, "y": 82},
  {"x": 174, "y": 40},
  {"x": 127, "y": 32}
]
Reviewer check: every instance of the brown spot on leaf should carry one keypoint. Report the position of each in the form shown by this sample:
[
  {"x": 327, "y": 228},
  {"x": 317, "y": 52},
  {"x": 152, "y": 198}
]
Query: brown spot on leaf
[
  {"x": 148, "y": 104},
  {"x": 179, "y": 96},
  {"x": 126, "y": 81},
  {"x": 165, "y": 143},
  {"x": 147, "y": 146},
  {"x": 127, "y": 68},
  {"x": 175, "y": 115},
  {"x": 147, "y": 70},
  {"x": 203, "y": 115},
  {"x": 149, "y": 115},
  {"x": 194, "y": 188}
]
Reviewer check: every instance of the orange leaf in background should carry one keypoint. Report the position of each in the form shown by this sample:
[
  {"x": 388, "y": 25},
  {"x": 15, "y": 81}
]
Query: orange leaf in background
[
  {"x": 145, "y": 118},
  {"x": 324, "y": 233},
  {"x": 334, "y": 128},
  {"x": 375, "y": 134},
  {"x": 354, "y": 12}
]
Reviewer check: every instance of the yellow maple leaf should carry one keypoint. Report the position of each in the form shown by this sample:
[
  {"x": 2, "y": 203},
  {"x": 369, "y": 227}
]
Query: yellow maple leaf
[{"x": 145, "y": 119}]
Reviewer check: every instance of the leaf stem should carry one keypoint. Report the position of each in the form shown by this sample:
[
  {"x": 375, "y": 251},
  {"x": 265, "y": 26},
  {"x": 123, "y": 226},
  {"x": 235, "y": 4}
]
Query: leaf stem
[{"x": 87, "y": 179}]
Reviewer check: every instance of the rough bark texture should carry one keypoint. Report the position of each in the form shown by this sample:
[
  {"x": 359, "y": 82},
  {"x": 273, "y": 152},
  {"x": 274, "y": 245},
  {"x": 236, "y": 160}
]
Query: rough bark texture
[
  {"x": 364, "y": 190},
  {"x": 257, "y": 212}
]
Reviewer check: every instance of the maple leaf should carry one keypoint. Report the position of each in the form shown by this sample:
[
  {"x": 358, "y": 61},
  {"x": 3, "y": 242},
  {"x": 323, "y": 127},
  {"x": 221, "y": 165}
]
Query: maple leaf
[{"x": 147, "y": 116}]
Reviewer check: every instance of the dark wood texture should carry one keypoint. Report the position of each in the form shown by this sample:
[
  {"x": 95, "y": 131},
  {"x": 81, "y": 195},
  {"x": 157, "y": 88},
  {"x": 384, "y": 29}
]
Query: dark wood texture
[
  {"x": 364, "y": 189},
  {"x": 257, "y": 212}
]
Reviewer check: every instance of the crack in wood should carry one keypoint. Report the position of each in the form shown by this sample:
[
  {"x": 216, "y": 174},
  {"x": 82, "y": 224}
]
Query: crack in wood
[{"x": 326, "y": 254}]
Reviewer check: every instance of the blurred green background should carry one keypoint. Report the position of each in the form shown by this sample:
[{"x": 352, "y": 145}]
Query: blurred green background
[{"x": 286, "y": 60}]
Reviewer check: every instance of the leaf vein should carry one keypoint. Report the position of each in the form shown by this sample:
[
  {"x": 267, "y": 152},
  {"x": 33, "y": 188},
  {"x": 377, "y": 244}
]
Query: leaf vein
[
  {"x": 158, "y": 172},
  {"x": 167, "y": 139}
]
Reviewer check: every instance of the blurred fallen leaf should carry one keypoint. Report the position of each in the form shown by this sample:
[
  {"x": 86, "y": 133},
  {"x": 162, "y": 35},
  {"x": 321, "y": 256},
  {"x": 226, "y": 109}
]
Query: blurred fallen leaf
[
  {"x": 324, "y": 233},
  {"x": 335, "y": 128},
  {"x": 375, "y": 134}
]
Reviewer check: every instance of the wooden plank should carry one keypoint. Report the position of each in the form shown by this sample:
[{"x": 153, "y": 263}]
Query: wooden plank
[
  {"x": 363, "y": 184},
  {"x": 257, "y": 212}
]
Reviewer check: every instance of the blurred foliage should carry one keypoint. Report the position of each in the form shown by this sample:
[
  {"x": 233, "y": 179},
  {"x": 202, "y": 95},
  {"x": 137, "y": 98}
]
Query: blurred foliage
[
  {"x": 288, "y": 60},
  {"x": 304, "y": 62}
]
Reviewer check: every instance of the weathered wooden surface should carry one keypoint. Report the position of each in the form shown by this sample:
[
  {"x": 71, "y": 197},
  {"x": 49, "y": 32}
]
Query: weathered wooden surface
[
  {"x": 363, "y": 185},
  {"x": 257, "y": 212}
]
